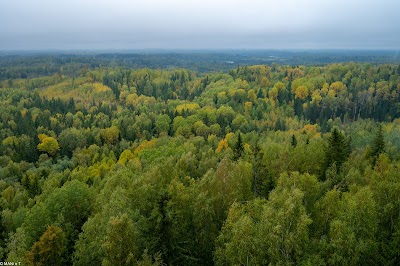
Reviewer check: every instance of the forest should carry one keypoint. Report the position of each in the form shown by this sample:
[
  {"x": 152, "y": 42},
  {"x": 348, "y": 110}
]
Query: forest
[{"x": 260, "y": 165}]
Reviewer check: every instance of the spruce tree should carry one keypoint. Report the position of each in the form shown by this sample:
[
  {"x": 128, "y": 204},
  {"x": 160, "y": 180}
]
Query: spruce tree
[
  {"x": 336, "y": 152},
  {"x": 293, "y": 141},
  {"x": 378, "y": 145},
  {"x": 239, "y": 148},
  {"x": 262, "y": 180}
]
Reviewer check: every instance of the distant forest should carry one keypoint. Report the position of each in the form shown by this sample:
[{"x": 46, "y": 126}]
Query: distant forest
[
  {"x": 284, "y": 158},
  {"x": 27, "y": 64}
]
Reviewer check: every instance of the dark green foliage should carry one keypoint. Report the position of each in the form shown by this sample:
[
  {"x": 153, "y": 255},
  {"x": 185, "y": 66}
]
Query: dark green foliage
[
  {"x": 378, "y": 146},
  {"x": 262, "y": 180},
  {"x": 293, "y": 141},
  {"x": 238, "y": 149},
  {"x": 336, "y": 152}
]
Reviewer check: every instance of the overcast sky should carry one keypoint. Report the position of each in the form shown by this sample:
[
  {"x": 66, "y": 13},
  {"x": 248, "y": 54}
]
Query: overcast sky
[{"x": 199, "y": 24}]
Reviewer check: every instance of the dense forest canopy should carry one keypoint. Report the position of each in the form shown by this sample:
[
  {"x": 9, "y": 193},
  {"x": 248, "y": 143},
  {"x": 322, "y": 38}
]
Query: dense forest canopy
[{"x": 263, "y": 164}]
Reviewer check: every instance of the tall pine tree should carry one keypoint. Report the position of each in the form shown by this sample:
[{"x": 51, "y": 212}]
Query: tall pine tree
[
  {"x": 293, "y": 142},
  {"x": 336, "y": 152},
  {"x": 239, "y": 148},
  {"x": 378, "y": 145}
]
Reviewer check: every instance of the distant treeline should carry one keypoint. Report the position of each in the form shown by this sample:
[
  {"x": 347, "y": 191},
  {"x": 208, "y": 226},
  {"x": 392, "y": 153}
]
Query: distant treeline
[{"x": 34, "y": 64}]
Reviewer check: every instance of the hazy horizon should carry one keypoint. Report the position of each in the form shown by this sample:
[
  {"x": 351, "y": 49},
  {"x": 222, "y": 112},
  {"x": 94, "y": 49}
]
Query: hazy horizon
[{"x": 199, "y": 25}]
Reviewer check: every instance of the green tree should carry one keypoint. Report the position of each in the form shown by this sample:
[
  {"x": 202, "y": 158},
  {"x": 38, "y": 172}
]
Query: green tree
[
  {"x": 385, "y": 184},
  {"x": 110, "y": 135},
  {"x": 293, "y": 141},
  {"x": 68, "y": 206},
  {"x": 216, "y": 192},
  {"x": 378, "y": 145},
  {"x": 241, "y": 241},
  {"x": 285, "y": 223},
  {"x": 238, "y": 149},
  {"x": 120, "y": 242},
  {"x": 353, "y": 232},
  {"x": 70, "y": 139},
  {"x": 148, "y": 260},
  {"x": 262, "y": 182},
  {"x": 162, "y": 124},
  {"x": 337, "y": 151}
]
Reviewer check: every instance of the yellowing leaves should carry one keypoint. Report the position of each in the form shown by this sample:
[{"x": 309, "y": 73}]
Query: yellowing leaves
[
  {"x": 279, "y": 86},
  {"x": 337, "y": 86},
  {"x": 229, "y": 136},
  {"x": 325, "y": 89},
  {"x": 251, "y": 95},
  {"x": 247, "y": 148},
  {"x": 82, "y": 90},
  {"x": 147, "y": 144},
  {"x": 383, "y": 90},
  {"x": 42, "y": 136},
  {"x": 301, "y": 92},
  {"x": 48, "y": 144},
  {"x": 9, "y": 141},
  {"x": 239, "y": 93},
  {"x": 223, "y": 144},
  {"x": 247, "y": 107},
  {"x": 187, "y": 106},
  {"x": 8, "y": 194},
  {"x": 316, "y": 97},
  {"x": 311, "y": 131},
  {"x": 297, "y": 72},
  {"x": 24, "y": 112},
  {"x": 98, "y": 87},
  {"x": 110, "y": 135},
  {"x": 273, "y": 93},
  {"x": 222, "y": 97},
  {"x": 133, "y": 99},
  {"x": 265, "y": 82},
  {"x": 125, "y": 156}
]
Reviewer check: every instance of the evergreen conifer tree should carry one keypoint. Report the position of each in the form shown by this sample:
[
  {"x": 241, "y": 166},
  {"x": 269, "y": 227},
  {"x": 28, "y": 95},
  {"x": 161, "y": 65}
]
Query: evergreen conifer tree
[
  {"x": 378, "y": 145},
  {"x": 239, "y": 148},
  {"x": 293, "y": 141},
  {"x": 336, "y": 152}
]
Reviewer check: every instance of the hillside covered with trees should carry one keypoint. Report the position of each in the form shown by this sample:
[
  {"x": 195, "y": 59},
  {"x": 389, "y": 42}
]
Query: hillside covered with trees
[{"x": 261, "y": 165}]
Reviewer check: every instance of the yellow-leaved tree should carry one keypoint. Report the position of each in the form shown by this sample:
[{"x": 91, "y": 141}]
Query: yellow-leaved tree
[
  {"x": 48, "y": 144},
  {"x": 50, "y": 249}
]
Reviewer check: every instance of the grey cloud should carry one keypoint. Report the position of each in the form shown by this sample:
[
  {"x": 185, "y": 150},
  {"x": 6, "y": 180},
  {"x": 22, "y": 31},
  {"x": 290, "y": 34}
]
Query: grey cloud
[{"x": 195, "y": 24}]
